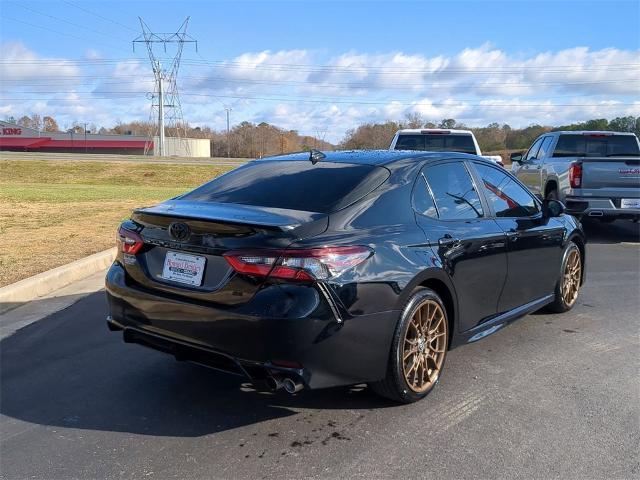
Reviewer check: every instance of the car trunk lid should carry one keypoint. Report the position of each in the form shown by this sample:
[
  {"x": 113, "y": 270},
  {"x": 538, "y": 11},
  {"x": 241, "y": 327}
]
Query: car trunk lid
[{"x": 191, "y": 264}]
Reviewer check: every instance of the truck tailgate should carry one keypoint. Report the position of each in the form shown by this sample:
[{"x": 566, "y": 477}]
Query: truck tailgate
[{"x": 610, "y": 173}]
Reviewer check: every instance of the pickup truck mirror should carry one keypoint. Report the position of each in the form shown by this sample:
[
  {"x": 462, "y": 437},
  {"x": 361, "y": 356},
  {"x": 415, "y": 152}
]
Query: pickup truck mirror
[
  {"x": 552, "y": 208},
  {"x": 516, "y": 157}
]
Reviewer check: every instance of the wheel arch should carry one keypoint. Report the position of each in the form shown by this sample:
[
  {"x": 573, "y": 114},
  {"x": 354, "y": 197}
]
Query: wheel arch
[
  {"x": 551, "y": 184},
  {"x": 446, "y": 295},
  {"x": 580, "y": 243},
  {"x": 438, "y": 281}
]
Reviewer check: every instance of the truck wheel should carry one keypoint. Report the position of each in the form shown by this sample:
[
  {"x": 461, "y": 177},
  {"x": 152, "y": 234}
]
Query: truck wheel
[
  {"x": 418, "y": 350},
  {"x": 568, "y": 285}
]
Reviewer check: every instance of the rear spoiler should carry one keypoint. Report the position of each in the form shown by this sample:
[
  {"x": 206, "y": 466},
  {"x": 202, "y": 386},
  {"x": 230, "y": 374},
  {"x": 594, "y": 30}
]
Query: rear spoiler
[{"x": 259, "y": 217}]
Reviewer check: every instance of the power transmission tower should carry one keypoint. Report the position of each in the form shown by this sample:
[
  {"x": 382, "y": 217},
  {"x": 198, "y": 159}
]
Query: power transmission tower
[{"x": 165, "y": 100}]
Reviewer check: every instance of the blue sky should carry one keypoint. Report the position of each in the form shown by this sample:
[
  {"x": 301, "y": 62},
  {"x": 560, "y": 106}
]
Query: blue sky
[{"x": 327, "y": 66}]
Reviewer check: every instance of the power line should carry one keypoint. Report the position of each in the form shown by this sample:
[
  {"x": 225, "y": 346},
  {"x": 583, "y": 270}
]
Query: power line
[
  {"x": 353, "y": 102},
  {"x": 53, "y": 17},
  {"x": 44, "y": 80},
  {"x": 98, "y": 15},
  {"x": 359, "y": 69},
  {"x": 43, "y": 28}
]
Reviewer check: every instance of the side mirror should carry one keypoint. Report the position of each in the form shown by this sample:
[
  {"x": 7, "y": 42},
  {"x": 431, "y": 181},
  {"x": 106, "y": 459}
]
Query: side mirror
[
  {"x": 516, "y": 157},
  {"x": 553, "y": 208}
]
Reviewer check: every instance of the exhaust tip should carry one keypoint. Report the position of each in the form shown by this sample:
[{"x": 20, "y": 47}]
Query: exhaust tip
[
  {"x": 596, "y": 213},
  {"x": 292, "y": 386},
  {"x": 273, "y": 383}
]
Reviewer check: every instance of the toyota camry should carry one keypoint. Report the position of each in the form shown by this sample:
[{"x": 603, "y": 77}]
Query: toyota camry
[{"x": 314, "y": 270}]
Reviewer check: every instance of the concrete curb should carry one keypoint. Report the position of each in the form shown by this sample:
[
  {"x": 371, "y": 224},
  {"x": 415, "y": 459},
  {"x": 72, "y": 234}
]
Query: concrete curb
[{"x": 44, "y": 283}]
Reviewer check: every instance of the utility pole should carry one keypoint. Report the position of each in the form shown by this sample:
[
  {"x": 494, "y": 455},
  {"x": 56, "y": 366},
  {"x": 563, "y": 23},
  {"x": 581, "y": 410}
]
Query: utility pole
[
  {"x": 161, "y": 148},
  {"x": 85, "y": 137},
  {"x": 228, "y": 109},
  {"x": 166, "y": 87}
]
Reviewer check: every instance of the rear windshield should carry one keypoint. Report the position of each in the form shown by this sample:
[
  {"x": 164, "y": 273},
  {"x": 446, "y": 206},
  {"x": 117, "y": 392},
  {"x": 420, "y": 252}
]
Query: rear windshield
[
  {"x": 596, "y": 146},
  {"x": 462, "y": 143},
  {"x": 294, "y": 185}
]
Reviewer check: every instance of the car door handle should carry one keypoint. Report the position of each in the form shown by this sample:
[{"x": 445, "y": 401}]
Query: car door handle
[
  {"x": 448, "y": 241},
  {"x": 512, "y": 235}
]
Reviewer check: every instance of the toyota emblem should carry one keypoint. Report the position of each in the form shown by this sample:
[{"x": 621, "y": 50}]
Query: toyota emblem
[{"x": 179, "y": 231}]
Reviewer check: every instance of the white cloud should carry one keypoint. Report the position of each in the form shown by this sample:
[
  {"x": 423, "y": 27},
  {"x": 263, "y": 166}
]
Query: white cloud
[
  {"x": 298, "y": 89},
  {"x": 19, "y": 64}
]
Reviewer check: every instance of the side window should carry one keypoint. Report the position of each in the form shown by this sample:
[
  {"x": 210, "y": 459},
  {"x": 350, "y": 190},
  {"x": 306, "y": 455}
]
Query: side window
[
  {"x": 544, "y": 148},
  {"x": 453, "y": 191},
  {"x": 422, "y": 199},
  {"x": 533, "y": 151},
  {"x": 509, "y": 198}
]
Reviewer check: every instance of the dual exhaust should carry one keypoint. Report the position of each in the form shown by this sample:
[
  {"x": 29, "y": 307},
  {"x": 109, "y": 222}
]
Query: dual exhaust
[{"x": 290, "y": 385}]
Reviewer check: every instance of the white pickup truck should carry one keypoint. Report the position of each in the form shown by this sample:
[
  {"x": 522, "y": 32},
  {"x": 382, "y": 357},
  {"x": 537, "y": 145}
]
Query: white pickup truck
[{"x": 439, "y": 140}]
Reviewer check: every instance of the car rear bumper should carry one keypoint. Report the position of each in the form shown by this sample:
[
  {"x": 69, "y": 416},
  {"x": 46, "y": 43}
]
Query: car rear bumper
[
  {"x": 327, "y": 351},
  {"x": 599, "y": 207}
]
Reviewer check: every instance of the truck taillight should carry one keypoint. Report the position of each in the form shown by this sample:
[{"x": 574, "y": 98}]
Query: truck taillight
[
  {"x": 575, "y": 175},
  {"x": 298, "y": 264},
  {"x": 128, "y": 241}
]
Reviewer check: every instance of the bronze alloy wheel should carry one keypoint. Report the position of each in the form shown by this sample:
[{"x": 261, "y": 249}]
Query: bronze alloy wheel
[
  {"x": 571, "y": 277},
  {"x": 425, "y": 344}
]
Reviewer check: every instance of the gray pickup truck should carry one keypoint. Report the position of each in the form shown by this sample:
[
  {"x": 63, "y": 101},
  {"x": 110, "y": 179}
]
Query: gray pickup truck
[{"x": 596, "y": 174}]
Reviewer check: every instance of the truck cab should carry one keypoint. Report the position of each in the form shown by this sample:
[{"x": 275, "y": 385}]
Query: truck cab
[{"x": 439, "y": 140}]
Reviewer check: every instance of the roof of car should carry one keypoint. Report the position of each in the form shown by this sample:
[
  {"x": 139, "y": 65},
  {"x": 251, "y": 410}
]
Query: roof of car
[
  {"x": 588, "y": 132},
  {"x": 428, "y": 130},
  {"x": 370, "y": 157}
]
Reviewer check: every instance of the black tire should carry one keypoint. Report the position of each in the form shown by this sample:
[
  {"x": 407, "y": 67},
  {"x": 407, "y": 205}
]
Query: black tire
[
  {"x": 561, "y": 304},
  {"x": 395, "y": 386}
]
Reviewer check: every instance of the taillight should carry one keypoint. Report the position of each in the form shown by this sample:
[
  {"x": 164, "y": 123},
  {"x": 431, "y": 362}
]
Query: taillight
[
  {"x": 129, "y": 242},
  {"x": 303, "y": 264},
  {"x": 575, "y": 175}
]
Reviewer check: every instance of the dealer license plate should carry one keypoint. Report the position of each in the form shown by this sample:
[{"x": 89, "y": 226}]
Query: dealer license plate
[{"x": 183, "y": 268}]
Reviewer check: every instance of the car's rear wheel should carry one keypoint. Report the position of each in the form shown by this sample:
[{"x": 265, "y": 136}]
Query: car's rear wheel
[
  {"x": 418, "y": 349},
  {"x": 568, "y": 286}
]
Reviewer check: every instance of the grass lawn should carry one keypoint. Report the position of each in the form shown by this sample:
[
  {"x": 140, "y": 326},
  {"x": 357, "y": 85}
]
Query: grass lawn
[{"x": 52, "y": 213}]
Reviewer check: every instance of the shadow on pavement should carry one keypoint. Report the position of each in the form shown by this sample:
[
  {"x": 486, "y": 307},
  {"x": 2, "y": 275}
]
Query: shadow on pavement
[
  {"x": 614, "y": 232},
  {"x": 68, "y": 370}
]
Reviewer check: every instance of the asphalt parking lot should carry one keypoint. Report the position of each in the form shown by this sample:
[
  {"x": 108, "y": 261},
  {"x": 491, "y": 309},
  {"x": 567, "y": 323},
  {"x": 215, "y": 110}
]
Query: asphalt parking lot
[{"x": 552, "y": 396}]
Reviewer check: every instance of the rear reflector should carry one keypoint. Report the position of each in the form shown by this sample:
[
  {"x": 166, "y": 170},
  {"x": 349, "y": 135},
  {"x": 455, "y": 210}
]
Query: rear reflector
[
  {"x": 304, "y": 264},
  {"x": 575, "y": 175},
  {"x": 129, "y": 242}
]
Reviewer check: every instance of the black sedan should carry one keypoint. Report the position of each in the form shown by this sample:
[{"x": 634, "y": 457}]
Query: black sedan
[{"x": 315, "y": 270}]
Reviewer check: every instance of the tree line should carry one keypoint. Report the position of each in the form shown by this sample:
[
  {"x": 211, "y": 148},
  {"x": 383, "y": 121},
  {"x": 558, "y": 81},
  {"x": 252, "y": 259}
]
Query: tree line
[
  {"x": 244, "y": 140},
  {"x": 254, "y": 140},
  {"x": 493, "y": 137}
]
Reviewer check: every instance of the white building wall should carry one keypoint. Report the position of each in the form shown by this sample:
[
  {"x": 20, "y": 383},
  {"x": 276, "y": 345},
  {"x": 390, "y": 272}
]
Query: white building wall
[{"x": 177, "y": 147}]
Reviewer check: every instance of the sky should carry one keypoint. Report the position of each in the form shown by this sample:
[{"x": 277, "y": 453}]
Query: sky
[{"x": 323, "y": 68}]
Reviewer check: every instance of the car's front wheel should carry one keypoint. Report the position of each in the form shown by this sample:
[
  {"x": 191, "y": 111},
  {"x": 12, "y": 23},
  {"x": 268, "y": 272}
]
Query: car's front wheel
[
  {"x": 418, "y": 349},
  {"x": 568, "y": 285}
]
